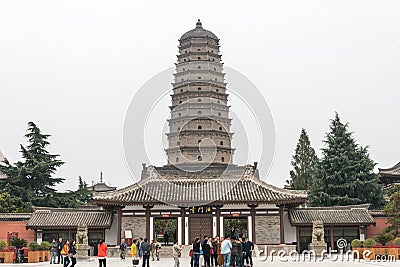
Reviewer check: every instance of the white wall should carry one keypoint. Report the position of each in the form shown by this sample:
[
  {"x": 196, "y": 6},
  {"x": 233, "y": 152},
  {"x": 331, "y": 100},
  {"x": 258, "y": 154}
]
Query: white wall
[
  {"x": 111, "y": 234},
  {"x": 290, "y": 231}
]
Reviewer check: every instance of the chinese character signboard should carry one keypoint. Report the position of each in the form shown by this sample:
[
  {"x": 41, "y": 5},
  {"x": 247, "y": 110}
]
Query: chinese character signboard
[{"x": 200, "y": 210}]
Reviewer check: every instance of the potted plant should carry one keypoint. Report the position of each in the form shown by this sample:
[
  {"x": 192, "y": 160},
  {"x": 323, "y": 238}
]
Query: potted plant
[
  {"x": 45, "y": 248},
  {"x": 357, "y": 248},
  {"x": 18, "y": 243},
  {"x": 33, "y": 253},
  {"x": 3, "y": 246}
]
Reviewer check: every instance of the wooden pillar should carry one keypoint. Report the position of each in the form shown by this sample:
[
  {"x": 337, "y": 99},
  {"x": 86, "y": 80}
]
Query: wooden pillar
[
  {"x": 183, "y": 214},
  {"x": 148, "y": 208},
  {"x": 332, "y": 238},
  {"x": 282, "y": 225},
  {"x": 253, "y": 223},
  {"x": 298, "y": 239},
  {"x": 119, "y": 225}
]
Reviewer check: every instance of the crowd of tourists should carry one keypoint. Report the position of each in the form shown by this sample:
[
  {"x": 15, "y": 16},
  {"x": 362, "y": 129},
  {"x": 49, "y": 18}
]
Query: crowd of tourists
[
  {"x": 224, "y": 252},
  {"x": 64, "y": 252}
]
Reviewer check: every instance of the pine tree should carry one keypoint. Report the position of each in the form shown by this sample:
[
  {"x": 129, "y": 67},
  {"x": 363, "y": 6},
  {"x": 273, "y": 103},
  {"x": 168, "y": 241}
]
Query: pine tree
[
  {"x": 32, "y": 178},
  {"x": 344, "y": 175},
  {"x": 303, "y": 163}
]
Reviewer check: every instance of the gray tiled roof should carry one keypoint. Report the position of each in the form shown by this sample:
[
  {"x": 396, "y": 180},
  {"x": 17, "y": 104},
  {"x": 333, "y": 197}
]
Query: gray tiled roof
[
  {"x": 198, "y": 32},
  {"x": 342, "y": 215},
  {"x": 68, "y": 218},
  {"x": 174, "y": 186},
  {"x": 15, "y": 216},
  {"x": 393, "y": 171}
]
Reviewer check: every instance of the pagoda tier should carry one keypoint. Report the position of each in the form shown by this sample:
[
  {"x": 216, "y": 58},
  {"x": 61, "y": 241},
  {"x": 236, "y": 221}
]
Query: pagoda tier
[{"x": 199, "y": 126}]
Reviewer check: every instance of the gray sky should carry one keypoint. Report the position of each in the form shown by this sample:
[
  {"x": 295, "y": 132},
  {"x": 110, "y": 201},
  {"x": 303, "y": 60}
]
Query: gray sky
[{"x": 73, "y": 67}]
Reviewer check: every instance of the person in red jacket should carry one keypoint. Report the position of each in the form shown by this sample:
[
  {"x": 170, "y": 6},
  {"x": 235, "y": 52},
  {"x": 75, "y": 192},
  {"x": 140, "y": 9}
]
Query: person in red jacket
[{"x": 102, "y": 253}]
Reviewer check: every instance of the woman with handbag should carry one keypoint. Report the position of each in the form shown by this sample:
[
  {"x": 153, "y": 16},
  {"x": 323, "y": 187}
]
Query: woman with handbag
[
  {"x": 135, "y": 260},
  {"x": 65, "y": 253}
]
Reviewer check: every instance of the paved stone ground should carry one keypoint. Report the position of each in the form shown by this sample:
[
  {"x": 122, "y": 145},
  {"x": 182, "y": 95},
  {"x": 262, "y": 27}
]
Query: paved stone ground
[{"x": 185, "y": 262}]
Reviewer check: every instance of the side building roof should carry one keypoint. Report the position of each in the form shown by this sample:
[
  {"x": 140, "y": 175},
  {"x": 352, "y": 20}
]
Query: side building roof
[
  {"x": 58, "y": 218},
  {"x": 392, "y": 171},
  {"x": 354, "y": 215},
  {"x": 213, "y": 185}
]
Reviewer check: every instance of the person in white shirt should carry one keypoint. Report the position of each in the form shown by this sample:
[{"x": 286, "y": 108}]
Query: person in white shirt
[
  {"x": 176, "y": 253},
  {"x": 226, "y": 247}
]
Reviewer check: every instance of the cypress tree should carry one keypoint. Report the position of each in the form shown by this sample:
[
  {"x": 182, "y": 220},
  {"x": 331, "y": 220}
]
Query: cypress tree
[
  {"x": 344, "y": 175},
  {"x": 303, "y": 163}
]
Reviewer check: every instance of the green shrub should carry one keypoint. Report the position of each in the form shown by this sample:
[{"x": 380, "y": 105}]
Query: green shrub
[
  {"x": 396, "y": 241},
  {"x": 369, "y": 243},
  {"x": 3, "y": 245},
  {"x": 33, "y": 246},
  {"x": 383, "y": 238},
  {"x": 45, "y": 245},
  {"x": 356, "y": 243},
  {"x": 18, "y": 242}
]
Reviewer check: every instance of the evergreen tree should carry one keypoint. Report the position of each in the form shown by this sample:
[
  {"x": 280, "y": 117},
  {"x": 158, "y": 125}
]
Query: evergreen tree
[
  {"x": 32, "y": 178},
  {"x": 344, "y": 175},
  {"x": 303, "y": 163}
]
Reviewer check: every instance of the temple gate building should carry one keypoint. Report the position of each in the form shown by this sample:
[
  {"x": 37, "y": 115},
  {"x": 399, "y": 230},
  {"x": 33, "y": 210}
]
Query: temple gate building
[{"x": 200, "y": 191}]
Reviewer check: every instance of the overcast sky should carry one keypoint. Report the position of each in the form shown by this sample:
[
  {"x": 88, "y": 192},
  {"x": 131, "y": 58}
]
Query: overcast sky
[{"x": 73, "y": 67}]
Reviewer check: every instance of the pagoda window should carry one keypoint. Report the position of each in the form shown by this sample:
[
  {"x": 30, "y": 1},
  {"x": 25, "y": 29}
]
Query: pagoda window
[
  {"x": 199, "y": 78},
  {"x": 178, "y": 143},
  {"x": 216, "y": 90},
  {"x": 180, "y": 101},
  {"x": 199, "y": 88},
  {"x": 199, "y": 142},
  {"x": 186, "y": 51},
  {"x": 182, "y": 80},
  {"x": 220, "y": 128},
  {"x": 199, "y": 158},
  {"x": 212, "y": 59},
  {"x": 221, "y": 143},
  {"x": 218, "y": 102},
  {"x": 219, "y": 113},
  {"x": 215, "y": 78},
  {"x": 199, "y": 67},
  {"x": 184, "y": 59},
  {"x": 199, "y": 58},
  {"x": 199, "y": 100},
  {"x": 177, "y": 159},
  {"x": 215, "y": 69},
  {"x": 179, "y": 128},
  {"x": 184, "y": 69},
  {"x": 198, "y": 49},
  {"x": 179, "y": 114},
  {"x": 199, "y": 112},
  {"x": 199, "y": 127},
  {"x": 223, "y": 159}
]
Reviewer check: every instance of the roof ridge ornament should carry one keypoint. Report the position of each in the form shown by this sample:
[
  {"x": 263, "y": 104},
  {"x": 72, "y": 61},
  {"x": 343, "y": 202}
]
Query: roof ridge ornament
[{"x": 198, "y": 24}]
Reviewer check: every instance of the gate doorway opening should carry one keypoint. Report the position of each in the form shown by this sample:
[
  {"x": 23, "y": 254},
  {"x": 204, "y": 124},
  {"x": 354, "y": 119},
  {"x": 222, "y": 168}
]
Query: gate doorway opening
[
  {"x": 236, "y": 227},
  {"x": 165, "y": 230}
]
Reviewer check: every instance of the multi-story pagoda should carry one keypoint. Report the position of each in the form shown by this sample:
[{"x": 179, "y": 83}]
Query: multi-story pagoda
[{"x": 199, "y": 124}]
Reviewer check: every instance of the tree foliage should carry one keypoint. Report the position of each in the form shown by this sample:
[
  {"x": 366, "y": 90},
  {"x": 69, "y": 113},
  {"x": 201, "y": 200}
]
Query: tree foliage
[
  {"x": 344, "y": 175},
  {"x": 392, "y": 211},
  {"x": 303, "y": 163},
  {"x": 31, "y": 181}
]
